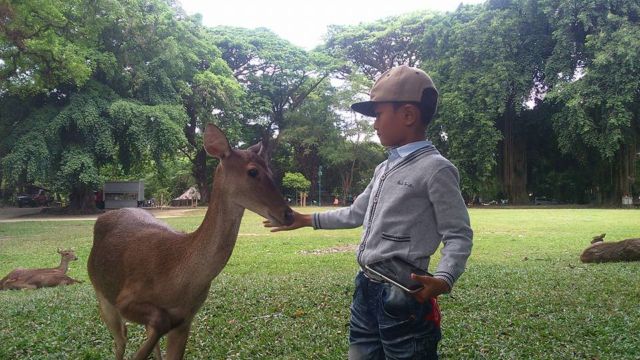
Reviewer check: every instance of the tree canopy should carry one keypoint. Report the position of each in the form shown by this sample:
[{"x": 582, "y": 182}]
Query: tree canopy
[{"x": 537, "y": 97}]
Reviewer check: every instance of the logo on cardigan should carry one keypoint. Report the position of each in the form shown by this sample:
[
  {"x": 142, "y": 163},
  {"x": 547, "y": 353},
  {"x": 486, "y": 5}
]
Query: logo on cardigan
[{"x": 404, "y": 183}]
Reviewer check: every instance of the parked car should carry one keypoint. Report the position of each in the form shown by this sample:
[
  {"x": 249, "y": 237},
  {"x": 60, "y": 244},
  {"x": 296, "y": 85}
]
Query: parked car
[{"x": 39, "y": 198}]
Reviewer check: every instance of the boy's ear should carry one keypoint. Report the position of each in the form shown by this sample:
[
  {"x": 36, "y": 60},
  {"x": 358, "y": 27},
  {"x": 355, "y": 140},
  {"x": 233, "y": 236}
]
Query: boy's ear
[
  {"x": 410, "y": 114},
  {"x": 215, "y": 143}
]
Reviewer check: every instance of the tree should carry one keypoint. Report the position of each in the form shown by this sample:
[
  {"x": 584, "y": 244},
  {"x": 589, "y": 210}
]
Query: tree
[
  {"x": 152, "y": 75},
  {"x": 295, "y": 182},
  {"x": 375, "y": 47},
  {"x": 67, "y": 146},
  {"x": 168, "y": 57},
  {"x": 46, "y": 44},
  {"x": 596, "y": 90},
  {"x": 276, "y": 75},
  {"x": 309, "y": 131},
  {"x": 487, "y": 62}
]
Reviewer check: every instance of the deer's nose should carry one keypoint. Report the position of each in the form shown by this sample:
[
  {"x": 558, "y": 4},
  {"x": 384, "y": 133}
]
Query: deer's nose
[{"x": 288, "y": 216}]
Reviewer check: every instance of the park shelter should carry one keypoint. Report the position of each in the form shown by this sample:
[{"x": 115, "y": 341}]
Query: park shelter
[
  {"x": 120, "y": 194},
  {"x": 188, "y": 198}
]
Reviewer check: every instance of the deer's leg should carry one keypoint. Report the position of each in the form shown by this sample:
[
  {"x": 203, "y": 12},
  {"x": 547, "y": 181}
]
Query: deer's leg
[
  {"x": 156, "y": 321},
  {"x": 116, "y": 325},
  {"x": 177, "y": 340},
  {"x": 157, "y": 354}
]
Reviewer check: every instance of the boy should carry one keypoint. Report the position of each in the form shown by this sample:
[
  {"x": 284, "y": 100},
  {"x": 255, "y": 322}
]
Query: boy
[{"x": 412, "y": 204}]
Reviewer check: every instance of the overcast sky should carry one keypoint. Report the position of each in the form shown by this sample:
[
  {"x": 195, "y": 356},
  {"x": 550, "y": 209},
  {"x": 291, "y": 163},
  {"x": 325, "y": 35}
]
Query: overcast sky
[{"x": 305, "y": 22}]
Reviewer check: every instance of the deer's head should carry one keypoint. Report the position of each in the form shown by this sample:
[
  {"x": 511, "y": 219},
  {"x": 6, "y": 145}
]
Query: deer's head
[
  {"x": 68, "y": 255},
  {"x": 247, "y": 178}
]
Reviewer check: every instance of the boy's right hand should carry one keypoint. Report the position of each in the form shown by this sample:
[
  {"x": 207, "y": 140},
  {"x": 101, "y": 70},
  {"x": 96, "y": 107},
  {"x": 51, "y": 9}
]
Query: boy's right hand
[{"x": 299, "y": 220}]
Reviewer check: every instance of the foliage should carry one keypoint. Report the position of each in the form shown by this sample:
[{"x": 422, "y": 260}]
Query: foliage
[
  {"x": 152, "y": 76},
  {"x": 487, "y": 62},
  {"x": 596, "y": 91},
  {"x": 46, "y": 44},
  {"x": 276, "y": 75},
  {"x": 286, "y": 295},
  {"x": 96, "y": 128},
  {"x": 296, "y": 182},
  {"x": 375, "y": 47},
  {"x": 599, "y": 110},
  {"x": 519, "y": 80}
]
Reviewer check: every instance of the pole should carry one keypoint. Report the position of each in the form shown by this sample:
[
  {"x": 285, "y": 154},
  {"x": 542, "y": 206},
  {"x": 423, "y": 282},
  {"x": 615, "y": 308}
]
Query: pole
[{"x": 320, "y": 185}]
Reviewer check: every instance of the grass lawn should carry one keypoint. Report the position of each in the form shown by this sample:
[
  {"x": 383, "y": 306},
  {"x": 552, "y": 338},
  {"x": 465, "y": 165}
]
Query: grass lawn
[{"x": 525, "y": 294}]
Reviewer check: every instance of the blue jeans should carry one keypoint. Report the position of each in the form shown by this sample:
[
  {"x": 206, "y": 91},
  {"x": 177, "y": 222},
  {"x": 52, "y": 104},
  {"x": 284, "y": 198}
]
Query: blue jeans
[{"x": 387, "y": 323}]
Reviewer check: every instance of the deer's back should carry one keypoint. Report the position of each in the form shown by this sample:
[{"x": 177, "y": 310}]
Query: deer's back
[
  {"x": 131, "y": 245},
  {"x": 625, "y": 250}
]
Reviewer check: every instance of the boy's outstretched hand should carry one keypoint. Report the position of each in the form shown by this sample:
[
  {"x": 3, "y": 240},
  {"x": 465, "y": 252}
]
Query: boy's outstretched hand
[
  {"x": 432, "y": 287},
  {"x": 299, "y": 220}
]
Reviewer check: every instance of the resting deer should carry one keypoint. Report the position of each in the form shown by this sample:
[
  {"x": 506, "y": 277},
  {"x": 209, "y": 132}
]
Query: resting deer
[
  {"x": 40, "y": 280},
  {"x": 35, "y": 278},
  {"x": 600, "y": 251},
  {"x": 145, "y": 272}
]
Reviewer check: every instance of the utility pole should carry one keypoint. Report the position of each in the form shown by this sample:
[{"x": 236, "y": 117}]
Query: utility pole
[{"x": 320, "y": 185}]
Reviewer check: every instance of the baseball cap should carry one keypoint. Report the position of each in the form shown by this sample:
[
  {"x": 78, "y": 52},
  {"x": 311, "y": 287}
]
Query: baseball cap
[{"x": 399, "y": 84}]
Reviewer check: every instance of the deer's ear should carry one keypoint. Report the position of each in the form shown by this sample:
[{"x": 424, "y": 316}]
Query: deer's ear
[
  {"x": 215, "y": 143},
  {"x": 261, "y": 150},
  {"x": 59, "y": 251}
]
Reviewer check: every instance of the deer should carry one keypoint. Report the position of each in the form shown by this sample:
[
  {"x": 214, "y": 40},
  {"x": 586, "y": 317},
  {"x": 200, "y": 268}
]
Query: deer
[
  {"x": 145, "y": 272},
  {"x": 35, "y": 278},
  {"x": 40, "y": 280},
  {"x": 599, "y": 251}
]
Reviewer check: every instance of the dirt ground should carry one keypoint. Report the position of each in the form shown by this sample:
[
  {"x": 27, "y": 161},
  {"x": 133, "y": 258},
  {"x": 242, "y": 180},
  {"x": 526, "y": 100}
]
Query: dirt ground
[{"x": 14, "y": 214}]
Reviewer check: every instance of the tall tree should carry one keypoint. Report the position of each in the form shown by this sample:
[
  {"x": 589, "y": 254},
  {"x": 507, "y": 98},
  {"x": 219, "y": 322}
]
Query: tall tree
[
  {"x": 168, "y": 57},
  {"x": 375, "y": 47},
  {"x": 487, "y": 61},
  {"x": 154, "y": 69},
  {"x": 309, "y": 131},
  {"x": 597, "y": 88},
  {"x": 49, "y": 44},
  {"x": 276, "y": 75}
]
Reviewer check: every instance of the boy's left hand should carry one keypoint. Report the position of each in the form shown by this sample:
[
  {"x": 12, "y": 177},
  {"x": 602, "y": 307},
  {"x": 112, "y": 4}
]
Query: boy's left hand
[{"x": 432, "y": 287}]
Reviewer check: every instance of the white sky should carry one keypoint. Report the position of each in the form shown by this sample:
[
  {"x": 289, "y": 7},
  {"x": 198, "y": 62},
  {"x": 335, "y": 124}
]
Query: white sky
[{"x": 305, "y": 22}]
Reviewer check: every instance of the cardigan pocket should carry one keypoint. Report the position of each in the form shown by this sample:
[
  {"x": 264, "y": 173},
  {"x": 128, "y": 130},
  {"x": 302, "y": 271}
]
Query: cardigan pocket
[{"x": 396, "y": 238}]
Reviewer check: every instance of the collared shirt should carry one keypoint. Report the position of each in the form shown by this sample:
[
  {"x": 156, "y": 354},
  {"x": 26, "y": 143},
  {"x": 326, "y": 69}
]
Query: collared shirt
[{"x": 398, "y": 152}]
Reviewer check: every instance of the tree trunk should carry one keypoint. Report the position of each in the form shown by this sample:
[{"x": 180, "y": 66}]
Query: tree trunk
[
  {"x": 200, "y": 173},
  {"x": 199, "y": 161},
  {"x": 624, "y": 173},
  {"x": 82, "y": 200},
  {"x": 347, "y": 180},
  {"x": 514, "y": 162}
]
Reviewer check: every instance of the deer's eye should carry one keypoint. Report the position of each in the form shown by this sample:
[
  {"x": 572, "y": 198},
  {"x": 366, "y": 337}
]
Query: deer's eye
[{"x": 253, "y": 173}]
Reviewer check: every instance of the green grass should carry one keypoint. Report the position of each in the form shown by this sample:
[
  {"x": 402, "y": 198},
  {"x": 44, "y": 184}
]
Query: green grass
[{"x": 525, "y": 294}]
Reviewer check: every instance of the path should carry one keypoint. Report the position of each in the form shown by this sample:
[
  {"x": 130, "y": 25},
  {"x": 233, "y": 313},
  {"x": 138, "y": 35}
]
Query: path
[{"x": 13, "y": 214}]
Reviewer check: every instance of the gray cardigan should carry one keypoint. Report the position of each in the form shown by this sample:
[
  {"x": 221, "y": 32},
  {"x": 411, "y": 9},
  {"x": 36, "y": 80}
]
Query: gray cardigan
[{"x": 407, "y": 210}]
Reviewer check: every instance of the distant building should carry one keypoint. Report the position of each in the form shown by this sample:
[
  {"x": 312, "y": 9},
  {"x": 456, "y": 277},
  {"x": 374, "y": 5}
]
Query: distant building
[{"x": 120, "y": 194}]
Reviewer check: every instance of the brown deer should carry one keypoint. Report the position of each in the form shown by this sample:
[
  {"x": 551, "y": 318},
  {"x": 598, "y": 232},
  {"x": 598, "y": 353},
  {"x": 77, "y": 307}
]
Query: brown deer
[
  {"x": 145, "y": 272},
  {"x": 35, "y": 278},
  {"x": 599, "y": 251},
  {"x": 39, "y": 280}
]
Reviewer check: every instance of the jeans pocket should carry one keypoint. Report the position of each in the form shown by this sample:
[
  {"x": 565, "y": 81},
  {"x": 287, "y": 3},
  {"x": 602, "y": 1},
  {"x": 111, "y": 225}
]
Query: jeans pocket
[{"x": 397, "y": 304}]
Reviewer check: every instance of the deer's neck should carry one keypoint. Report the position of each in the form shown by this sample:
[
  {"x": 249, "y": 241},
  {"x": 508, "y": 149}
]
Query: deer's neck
[
  {"x": 215, "y": 238},
  {"x": 64, "y": 265}
]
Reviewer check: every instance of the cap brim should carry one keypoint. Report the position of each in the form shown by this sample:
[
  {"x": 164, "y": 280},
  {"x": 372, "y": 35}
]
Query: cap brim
[{"x": 364, "y": 108}]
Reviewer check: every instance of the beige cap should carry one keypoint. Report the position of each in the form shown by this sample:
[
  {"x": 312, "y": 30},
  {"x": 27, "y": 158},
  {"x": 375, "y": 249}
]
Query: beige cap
[{"x": 399, "y": 84}]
